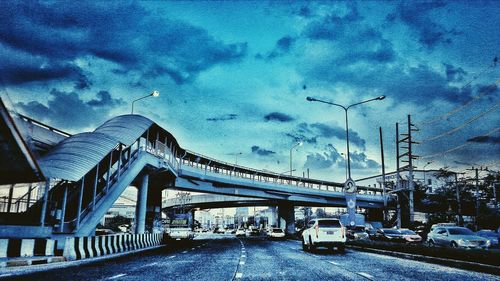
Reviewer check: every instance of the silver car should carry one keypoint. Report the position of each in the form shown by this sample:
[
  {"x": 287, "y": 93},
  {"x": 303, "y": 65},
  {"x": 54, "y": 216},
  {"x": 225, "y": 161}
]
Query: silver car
[{"x": 458, "y": 237}]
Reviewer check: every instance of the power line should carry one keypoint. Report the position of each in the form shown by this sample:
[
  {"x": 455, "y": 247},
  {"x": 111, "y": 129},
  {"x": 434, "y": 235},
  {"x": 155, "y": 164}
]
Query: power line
[
  {"x": 458, "y": 147},
  {"x": 460, "y": 108},
  {"x": 493, "y": 108}
]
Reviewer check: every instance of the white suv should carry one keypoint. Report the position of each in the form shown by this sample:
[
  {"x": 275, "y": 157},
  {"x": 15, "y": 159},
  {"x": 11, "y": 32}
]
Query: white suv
[{"x": 324, "y": 233}]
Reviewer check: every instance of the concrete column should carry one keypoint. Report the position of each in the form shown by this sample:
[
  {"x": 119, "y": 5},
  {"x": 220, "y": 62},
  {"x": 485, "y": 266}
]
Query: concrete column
[
  {"x": 142, "y": 196},
  {"x": 153, "y": 210},
  {"x": 286, "y": 217}
]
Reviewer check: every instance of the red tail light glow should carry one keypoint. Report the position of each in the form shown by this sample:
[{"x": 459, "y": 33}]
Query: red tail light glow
[
  {"x": 317, "y": 230},
  {"x": 343, "y": 231}
]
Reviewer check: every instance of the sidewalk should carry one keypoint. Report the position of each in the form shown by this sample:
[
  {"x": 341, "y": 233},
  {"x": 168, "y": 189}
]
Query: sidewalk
[{"x": 24, "y": 261}]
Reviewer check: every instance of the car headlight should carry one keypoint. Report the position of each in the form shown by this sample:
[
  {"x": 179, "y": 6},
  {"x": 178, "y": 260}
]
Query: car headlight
[
  {"x": 355, "y": 235},
  {"x": 488, "y": 243},
  {"x": 462, "y": 242}
]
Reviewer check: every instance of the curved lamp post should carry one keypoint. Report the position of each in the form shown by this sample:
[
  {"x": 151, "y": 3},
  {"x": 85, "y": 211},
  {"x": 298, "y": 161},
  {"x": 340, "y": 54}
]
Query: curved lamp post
[
  {"x": 346, "y": 123},
  {"x": 294, "y": 146},
  {"x": 153, "y": 94}
]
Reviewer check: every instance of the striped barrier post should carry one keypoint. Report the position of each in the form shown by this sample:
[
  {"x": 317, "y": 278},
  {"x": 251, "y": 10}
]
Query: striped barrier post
[
  {"x": 70, "y": 248},
  {"x": 4, "y": 244},
  {"x": 27, "y": 247}
]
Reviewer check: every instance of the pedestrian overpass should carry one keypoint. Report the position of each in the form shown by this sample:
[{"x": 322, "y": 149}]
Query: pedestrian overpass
[{"x": 72, "y": 180}]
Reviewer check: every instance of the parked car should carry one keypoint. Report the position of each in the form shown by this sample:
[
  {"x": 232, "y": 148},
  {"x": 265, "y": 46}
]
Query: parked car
[
  {"x": 276, "y": 233},
  {"x": 253, "y": 232},
  {"x": 240, "y": 232},
  {"x": 356, "y": 233},
  {"x": 328, "y": 233},
  {"x": 491, "y": 235},
  {"x": 389, "y": 234},
  {"x": 457, "y": 237},
  {"x": 372, "y": 233},
  {"x": 410, "y": 236}
]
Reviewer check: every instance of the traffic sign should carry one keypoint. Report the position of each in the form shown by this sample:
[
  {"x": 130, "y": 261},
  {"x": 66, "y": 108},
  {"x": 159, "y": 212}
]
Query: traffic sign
[{"x": 350, "y": 186}]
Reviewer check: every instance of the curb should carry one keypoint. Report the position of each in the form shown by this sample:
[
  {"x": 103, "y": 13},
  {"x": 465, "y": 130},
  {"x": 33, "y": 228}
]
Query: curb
[
  {"x": 485, "y": 268},
  {"x": 22, "y": 268}
]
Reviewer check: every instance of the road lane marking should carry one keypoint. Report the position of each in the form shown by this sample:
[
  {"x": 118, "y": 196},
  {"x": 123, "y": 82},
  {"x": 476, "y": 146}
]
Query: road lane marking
[
  {"x": 117, "y": 276},
  {"x": 184, "y": 252},
  {"x": 364, "y": 274},
  {"x": 242, "y": 262},
  {"x": 171, "y": 257},
  {"x": 238, "y": 275},
  {"x": 192, "y": 249},
  {"x": 334, "y": 263}
]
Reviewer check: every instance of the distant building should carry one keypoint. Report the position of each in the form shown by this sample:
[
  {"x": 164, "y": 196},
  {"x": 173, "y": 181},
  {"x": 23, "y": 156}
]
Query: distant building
[
  {"x": 205, "y": 218},
  {"x": 427, "y": 178},
  {"x": 119, "y": 209},
  {"x": 266, "y": 217}
]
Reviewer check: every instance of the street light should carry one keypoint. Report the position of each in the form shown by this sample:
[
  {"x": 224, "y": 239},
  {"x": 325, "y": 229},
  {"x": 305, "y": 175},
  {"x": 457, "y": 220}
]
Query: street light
[
  {"x": 153, "y": 94},
  {"x": 236, "y": 157},
  {"x": 294, "y": 146},
  {"x": 346, "y": 122}
]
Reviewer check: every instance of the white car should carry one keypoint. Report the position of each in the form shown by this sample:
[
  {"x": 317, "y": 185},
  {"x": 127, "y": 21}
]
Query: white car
[
  {"x": 276, "y": 233},
  {"x": 240, "y": 232},
  {"x": 328, "y": 233}
]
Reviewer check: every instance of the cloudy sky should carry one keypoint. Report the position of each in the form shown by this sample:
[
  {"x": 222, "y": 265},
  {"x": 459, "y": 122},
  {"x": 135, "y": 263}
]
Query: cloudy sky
[{"x": 233, "y": 77}]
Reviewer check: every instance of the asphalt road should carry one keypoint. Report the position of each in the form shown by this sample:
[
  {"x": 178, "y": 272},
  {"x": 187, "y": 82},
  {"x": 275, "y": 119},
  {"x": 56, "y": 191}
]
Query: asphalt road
[{"x": 224, "y": 257}]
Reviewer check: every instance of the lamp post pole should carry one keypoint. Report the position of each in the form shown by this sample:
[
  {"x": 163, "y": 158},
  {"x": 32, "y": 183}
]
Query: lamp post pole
[
  {"x": 346, "y": 123},
  {"x": 295, "y": 145},
  {"x": 153, "y": 94}
]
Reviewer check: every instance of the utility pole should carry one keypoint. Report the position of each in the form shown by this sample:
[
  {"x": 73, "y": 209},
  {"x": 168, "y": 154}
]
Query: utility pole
[
  {"x": 477, "y": 198},
  {"x": 407, "y": 140},
  {"x": 398, "y": 182},
  {"x": 384, "y": 194},
  {"x": 459, "y": 203}
]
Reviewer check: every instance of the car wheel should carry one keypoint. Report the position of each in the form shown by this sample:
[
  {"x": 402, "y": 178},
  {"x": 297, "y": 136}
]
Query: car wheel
[
  {"x": 454, "y": 244},
  {"x": 304, "y": 247},
  {"x": 431, "y": 243},
  {"x": 341, "y": 248}
]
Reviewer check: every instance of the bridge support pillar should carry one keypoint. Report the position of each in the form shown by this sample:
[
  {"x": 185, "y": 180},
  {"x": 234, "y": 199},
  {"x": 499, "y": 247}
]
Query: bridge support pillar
[
  {"x": 375, "y": 215},
  {"x": 142, "y": 196},
  {"x": 286, "y": 217},
  {"x": 153, "y": 214}
]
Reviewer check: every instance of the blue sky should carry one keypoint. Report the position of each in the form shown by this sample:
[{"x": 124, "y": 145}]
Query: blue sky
[{"x": 233, "y": 76}]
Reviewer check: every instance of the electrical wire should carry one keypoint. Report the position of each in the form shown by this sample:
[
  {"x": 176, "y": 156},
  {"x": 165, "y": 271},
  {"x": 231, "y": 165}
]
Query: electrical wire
[
  {"x": 493, "y": 108},
  {"x": 460, "y": 108},
  {"x": 458, "y": 147}
]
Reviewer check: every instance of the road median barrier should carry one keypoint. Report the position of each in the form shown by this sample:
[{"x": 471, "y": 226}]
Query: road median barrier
[{"x": 470, "y": 259}]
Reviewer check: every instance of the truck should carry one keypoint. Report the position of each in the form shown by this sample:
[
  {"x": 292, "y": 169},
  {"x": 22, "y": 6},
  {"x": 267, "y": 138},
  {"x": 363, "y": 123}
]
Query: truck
[{"x": 179, "y": 227}]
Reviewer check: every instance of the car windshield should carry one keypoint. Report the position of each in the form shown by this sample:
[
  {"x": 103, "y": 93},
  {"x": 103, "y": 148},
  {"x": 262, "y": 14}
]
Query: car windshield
[
  {"x": 391, "y": 231},
  {"x": 277, "y": 230},
  {"x": 329, "y": 223},
  {"x": 408, "y": 232},
  {"x": 460, "y": 231}
]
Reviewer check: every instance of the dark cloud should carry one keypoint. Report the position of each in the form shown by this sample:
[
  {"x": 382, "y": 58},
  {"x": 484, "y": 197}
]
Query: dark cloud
[
  {"x": 261, "y": 151},
  {"x": 364, "y": 43},
  {"x": 53, "y": 35},
  {"x": 330, "y": 157},
  {"x": 278, "y": 116},
  {"x": 416, "y": 16},
  {"x": 485, "y": 139},
  {"x": 359, "y": 160},
  {"x": 282, "y": 48},
  {"x": 68, "y": 111},
  {"x": 328, "y": 131},
  {"x": 225, "y": 117},
  {"x": 454, "y": 74},
  {"x": 105, "y": 99},
  {"x": 323, "y": 160}
]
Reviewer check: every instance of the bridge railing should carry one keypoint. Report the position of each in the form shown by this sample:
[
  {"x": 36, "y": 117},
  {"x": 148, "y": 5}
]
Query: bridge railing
[{"x": 270, "y": 177}]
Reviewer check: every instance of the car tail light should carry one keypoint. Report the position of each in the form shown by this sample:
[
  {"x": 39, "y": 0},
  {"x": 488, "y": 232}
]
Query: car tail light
[
  {"x": 317, "y": 230},
  {"x": 343, "y": 231}
]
